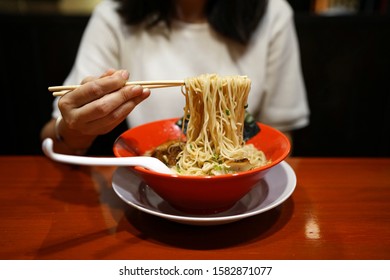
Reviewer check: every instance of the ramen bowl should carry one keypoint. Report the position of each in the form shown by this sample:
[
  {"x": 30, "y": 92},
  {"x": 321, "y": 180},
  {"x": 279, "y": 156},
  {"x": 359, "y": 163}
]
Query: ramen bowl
[{"x": 198, "y": 194}]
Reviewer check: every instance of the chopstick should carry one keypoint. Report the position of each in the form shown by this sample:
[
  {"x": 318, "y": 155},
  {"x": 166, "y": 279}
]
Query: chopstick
[{"x": 62, "y": 90}]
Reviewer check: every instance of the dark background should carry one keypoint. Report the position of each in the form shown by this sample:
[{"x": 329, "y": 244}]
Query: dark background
[{"x": 345, "y": 60}]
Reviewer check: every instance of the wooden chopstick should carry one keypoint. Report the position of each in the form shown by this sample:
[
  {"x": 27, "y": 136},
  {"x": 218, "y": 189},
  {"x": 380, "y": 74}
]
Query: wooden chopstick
[{"x": 62, "y": 90}]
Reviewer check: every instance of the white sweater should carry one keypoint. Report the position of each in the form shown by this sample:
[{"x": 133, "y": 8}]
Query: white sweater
[{"x": 271, "y": 61}]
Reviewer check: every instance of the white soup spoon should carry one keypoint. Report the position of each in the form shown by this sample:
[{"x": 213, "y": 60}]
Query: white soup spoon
[{"x": 150, "y": 163}]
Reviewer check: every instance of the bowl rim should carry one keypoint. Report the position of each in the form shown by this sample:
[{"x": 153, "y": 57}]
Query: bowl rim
[{"x": 209, "y": 177}]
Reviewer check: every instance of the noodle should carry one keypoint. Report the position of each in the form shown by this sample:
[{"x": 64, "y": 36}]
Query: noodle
[{"x": 215, "y": 110}]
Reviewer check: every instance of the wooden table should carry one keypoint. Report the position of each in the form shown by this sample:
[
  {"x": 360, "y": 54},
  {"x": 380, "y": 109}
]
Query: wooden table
[{"x": 340, "y": 209}]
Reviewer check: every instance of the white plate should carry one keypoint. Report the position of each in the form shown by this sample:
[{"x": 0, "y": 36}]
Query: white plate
[{"x": 277, "y": 185}]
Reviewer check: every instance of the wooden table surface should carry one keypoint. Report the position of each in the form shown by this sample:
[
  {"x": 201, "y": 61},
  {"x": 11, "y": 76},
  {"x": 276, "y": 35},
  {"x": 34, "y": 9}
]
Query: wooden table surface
[{"x": 340, "y": 209}]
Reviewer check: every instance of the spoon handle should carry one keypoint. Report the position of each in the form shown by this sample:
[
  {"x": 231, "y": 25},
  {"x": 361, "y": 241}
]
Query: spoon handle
[{"x": 143, "y": 161}]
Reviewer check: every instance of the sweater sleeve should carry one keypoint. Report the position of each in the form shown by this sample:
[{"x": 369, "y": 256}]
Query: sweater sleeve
[
  {"x": 284, "y": 103},
  {"x": 98, "y": 49}
]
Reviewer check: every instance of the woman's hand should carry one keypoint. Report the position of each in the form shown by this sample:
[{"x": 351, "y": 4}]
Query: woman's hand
[
  {"x": 100, "y": 104},
  {"x": 94, "y": 108}
]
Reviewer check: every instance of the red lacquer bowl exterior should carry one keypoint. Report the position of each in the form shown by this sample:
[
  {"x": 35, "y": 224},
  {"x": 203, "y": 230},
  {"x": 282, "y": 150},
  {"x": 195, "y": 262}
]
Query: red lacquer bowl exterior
[{"x": 199, "y": 194}]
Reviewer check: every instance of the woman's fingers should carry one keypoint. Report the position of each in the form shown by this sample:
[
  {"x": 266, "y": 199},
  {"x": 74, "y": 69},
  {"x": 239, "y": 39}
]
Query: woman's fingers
[
  {"x": 112, "y": 118},
  {"x": 108, "y": 103},
  {"x": 122, "y": 111},
  {"x": 101, "y": 103},
  {"x": 102, "y": 115},
  {"x": 109, "y": 72},
  {"x": 93, "y": 89}
]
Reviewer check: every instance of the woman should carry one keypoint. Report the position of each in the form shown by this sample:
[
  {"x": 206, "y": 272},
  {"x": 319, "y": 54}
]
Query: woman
[{"x": 158, "y": 40}]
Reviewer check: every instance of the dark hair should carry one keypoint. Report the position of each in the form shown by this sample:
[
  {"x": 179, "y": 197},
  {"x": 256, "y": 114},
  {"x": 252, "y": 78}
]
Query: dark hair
[{"x": 235, "y": 19}]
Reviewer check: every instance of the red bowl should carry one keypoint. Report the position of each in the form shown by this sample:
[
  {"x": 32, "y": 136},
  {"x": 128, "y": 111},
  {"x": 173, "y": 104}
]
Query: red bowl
[{"x": 199, "y": 194}]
